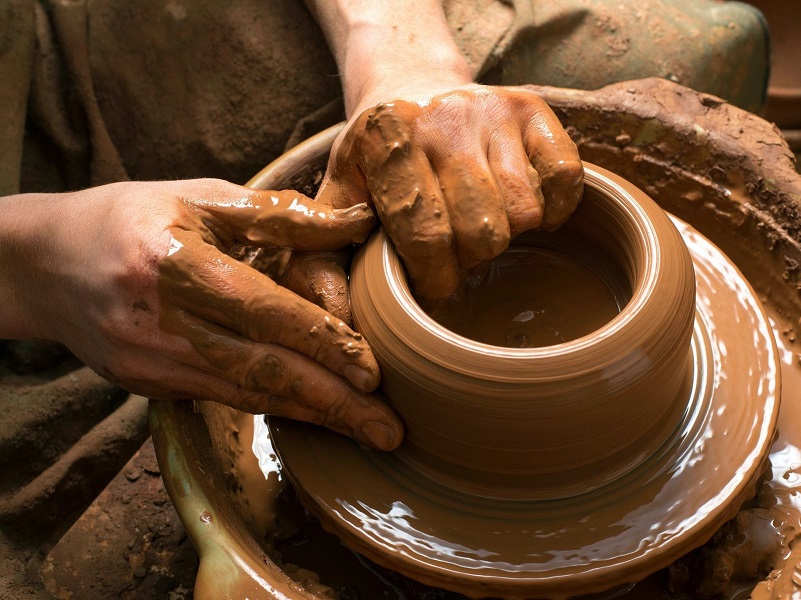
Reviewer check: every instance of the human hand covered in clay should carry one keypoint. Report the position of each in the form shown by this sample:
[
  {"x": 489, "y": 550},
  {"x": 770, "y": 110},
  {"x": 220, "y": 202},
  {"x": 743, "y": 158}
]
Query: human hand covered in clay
[
  {"x": 455, "y": 176},
  {"x": 134, "y": 278},
  {"x": 454, "y": 169}
]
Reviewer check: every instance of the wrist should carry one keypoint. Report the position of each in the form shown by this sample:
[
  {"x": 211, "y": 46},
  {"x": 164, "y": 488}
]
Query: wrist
[
  {"x": 25, "y": 246},
  {"x": 408, "y": 74},
  {"x": 388, "y": 51}
]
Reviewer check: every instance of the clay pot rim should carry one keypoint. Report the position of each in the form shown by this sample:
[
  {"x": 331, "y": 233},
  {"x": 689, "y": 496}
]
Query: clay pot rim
[{"x": 647, "y": 241}]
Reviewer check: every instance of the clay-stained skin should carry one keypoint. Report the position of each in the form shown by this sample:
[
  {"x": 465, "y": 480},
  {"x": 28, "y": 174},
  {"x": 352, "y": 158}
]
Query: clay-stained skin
[
  {"x": 320, "y": 277},
  {"x": 508, "y": 167},
  {"x": 281, "y": 354}
]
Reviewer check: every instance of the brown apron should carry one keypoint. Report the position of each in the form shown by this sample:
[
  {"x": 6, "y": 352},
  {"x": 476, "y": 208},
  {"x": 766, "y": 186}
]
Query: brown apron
[{"x": 103, "y": 90}]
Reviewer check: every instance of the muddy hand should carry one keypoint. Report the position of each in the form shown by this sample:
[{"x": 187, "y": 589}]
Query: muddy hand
[
  {"x": 179, "y": 318},
  {"x": 454, "y": 177},
  {"x": 321, "y": 278}
]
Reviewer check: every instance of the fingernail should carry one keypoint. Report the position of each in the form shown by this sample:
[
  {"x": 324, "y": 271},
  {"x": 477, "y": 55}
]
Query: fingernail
[
  {"x": 379, "y": 435},
  {"x": 361, "y": 378},
  {"x": 359, "y": 210}
]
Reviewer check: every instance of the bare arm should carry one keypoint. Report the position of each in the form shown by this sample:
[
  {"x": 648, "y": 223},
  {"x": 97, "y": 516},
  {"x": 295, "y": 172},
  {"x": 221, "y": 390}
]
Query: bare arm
[
  {"x": 390, "y": 47},
  {"x": 134, "y": 278}
]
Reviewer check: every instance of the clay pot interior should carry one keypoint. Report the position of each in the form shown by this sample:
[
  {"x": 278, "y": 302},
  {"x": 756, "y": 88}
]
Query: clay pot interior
[
  {"x": 552, "y": 421},
  {"x": 534, "y": 296}
]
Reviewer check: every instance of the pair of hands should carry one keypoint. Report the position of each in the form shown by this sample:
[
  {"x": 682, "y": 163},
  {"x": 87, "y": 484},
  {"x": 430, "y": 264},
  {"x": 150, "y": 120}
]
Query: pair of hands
[{"x": 144, "y": 292}]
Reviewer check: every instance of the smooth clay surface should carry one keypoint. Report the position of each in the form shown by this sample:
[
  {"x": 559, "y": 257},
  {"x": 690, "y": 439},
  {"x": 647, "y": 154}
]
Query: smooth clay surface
[
  {"x": 491, "y": 420},
  {"x": 531, "y": 297},
  {"x": 669, "y": 503}
]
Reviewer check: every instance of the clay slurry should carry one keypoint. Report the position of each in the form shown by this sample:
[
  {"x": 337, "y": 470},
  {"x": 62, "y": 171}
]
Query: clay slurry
[{"x": 531, "y": 297}]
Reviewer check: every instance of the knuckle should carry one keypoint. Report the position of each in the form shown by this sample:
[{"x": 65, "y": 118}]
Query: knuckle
[
  {"x": 265, "y": 372},
  {"x": 338, "y": 407},
  {"x": 452, "y": 112},
  {"x": 524, "y": 216},
  {"x": 485, "y": 240},
  {"x": 568, "y": 171},
  {"x": 428, "y": 242}
]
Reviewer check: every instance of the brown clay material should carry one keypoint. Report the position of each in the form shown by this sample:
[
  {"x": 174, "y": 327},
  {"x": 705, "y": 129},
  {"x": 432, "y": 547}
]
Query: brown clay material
[
  {"x": 311, "y": 366},
  {"x": 486, "y": 419},
  {"x": 691, "y": 174},
  {"x": 526, "y": 549},
  {"x": 321, "y": 279},
  {"x": 715, "y": 166},
  {"x": 531, "y": 297}
]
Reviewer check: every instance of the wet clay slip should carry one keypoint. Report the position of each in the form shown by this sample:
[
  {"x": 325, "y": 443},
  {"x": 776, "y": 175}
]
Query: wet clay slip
[
  {"x": 565, "y": 468},
  {"x": 531, "y": 297}
]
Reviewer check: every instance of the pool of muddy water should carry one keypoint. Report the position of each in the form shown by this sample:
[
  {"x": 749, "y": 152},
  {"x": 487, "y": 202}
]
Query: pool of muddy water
[{"x": 739, "y": 556}]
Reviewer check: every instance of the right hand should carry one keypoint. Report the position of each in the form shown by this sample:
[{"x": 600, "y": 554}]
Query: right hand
[
  {"x": 136, "y": 281},
  {"x": 455, "y": 175}
]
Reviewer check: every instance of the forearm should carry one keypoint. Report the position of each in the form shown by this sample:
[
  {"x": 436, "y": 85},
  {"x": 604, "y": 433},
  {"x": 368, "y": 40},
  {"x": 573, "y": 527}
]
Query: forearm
[
  {"x": 382, "y": 46},
  {"x": 23, "y": 246}
]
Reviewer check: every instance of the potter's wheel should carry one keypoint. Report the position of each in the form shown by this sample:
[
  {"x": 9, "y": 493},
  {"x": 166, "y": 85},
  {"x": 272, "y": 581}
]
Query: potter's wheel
[{"x": 381, "y": 506}]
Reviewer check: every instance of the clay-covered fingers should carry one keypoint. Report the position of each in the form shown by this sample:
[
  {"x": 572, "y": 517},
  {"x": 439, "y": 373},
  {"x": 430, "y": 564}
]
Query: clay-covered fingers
[
  {"x": 407, "y": 196},
  {"x": 518, "y": 183},
  {"x": 475, "y": 205},
  {"x": 199, "y": 279},
  {"x": 320, "y": 278},
  {"x": 282, "y": 219},
  {"x": 554, "y": 157},
  {"x": 272, "y": 379}
]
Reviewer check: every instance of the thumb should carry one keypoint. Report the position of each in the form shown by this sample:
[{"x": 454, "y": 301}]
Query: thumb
[
  {"x": 287, "y": 219},
  {"x": 320, "y": 278},
  {"x": 344, "y": 183}
]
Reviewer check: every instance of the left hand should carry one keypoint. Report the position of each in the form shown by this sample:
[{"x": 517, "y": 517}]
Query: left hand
[{"x": 454, "y": 175}]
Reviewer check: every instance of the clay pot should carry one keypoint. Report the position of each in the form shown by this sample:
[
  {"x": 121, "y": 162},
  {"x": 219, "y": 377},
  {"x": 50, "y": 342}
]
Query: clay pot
[
  {"x": 379, "y": 504},
  {"x": 548, "y": 422}
]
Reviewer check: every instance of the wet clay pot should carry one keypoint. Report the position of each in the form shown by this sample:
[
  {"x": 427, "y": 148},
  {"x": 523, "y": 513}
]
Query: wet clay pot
[
  {"x": 544, "y": 422},
  {"x": 552, "y": 471},
  {"x": 391, "y": 509}
]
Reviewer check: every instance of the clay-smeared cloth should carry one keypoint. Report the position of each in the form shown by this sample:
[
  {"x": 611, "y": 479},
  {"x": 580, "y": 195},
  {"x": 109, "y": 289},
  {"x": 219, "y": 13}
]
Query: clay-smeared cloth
[{"x": 96, "y": 91}]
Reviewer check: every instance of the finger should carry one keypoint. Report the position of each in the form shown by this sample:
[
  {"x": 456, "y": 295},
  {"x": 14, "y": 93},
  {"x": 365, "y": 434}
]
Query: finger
[
  {"x": 344, "y": 183},
  {"x": 275, "y": 371},
  {"x": 517, "y": 182},
  {"x": 320, "y": 278},
  {"x": 281, "y": 407},
  {"x": 373, "y": 434},
  {"x": 282, "y": 219},
  {"x": 201, "y": 280},
  {"x": 361, "y": 416},
  {"x": 477, "y": 213},
  {"x": 406, "y": 196},
  {"x": 555, "y": 158}
]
